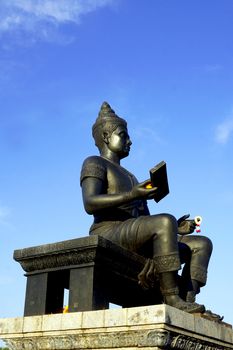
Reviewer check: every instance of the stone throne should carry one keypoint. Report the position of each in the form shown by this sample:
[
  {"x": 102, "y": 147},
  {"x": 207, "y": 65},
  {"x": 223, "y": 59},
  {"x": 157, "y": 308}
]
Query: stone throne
[{"x": 94, "y": 270}]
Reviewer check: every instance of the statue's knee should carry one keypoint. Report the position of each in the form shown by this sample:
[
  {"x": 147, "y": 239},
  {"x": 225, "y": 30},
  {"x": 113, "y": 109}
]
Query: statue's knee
[
  {"x": 162, "y": 228},
  {"x": 166, "y": 228},
  {"x": 169, "y": 222},
  {"x": 206, "y": 244}
]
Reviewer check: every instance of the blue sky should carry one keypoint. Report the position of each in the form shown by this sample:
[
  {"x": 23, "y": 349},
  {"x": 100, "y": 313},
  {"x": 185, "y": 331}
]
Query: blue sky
[{"x": 164, "y": 65}]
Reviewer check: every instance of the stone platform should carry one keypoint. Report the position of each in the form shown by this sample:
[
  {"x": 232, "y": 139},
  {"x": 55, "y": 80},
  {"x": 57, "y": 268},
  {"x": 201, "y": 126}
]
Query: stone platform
[{"x": 145, "y": 328}]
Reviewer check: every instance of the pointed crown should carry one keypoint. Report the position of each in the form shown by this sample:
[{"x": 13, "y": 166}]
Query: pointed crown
[{"x": 107, "y": 116}]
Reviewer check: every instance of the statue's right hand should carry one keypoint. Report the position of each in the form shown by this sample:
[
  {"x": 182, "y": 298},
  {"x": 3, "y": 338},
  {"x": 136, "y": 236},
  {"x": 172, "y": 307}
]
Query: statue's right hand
[{"x": 143, "y": 191}]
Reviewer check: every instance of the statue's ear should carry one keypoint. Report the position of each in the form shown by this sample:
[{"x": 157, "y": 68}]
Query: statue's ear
[{"x": 105, "y": 137}]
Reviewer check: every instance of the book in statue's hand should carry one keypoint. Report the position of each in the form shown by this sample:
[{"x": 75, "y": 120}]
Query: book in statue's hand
[{"x": 158, "y": 175}]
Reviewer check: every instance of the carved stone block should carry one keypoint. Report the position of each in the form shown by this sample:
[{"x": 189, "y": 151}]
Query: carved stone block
[{"x": 144, "y": 328}]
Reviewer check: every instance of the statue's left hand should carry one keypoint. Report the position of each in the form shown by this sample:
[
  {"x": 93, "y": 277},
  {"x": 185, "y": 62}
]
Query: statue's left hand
[{"x": 185, "y": 226}]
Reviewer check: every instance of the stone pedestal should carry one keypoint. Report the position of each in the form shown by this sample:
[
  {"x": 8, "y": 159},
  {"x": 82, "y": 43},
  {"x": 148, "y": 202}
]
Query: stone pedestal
[{"x": 147, "y": 327}]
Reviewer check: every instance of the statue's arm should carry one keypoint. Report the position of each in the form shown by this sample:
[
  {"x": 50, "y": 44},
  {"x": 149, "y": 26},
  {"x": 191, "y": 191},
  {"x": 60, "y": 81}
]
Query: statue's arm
[{"x": 95, "y": 198}]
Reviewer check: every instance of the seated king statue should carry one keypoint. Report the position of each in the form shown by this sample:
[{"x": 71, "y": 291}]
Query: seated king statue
[{"x": 118, "y": 204}]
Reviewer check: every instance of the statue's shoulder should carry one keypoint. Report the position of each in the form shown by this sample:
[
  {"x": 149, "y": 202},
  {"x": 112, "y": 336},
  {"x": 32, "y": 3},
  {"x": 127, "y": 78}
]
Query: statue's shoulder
[
  {"x": 93, "y": 160},
  {"x": 94, "y": 166}
]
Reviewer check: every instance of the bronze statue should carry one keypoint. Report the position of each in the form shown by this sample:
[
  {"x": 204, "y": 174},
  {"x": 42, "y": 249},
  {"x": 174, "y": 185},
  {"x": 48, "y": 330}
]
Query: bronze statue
[{"x": 119, "y": 206}]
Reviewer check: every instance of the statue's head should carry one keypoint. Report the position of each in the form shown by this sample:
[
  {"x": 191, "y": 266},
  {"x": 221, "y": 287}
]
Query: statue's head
[{"x": 106, "y": 123}]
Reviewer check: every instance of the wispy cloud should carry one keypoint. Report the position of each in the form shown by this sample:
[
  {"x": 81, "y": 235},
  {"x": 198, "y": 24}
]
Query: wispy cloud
[
  {"x": 41, "y": 18},
  {"x": 224, "y": 130},
  {"x": 147, "y": 133}
]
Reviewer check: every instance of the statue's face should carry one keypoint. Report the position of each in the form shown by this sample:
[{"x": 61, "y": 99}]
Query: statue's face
[{"x": 119, "y": 142}]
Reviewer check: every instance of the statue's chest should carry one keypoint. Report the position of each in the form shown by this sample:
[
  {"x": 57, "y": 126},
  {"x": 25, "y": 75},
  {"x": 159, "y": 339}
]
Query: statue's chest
[{"x": 119, "y": 179}]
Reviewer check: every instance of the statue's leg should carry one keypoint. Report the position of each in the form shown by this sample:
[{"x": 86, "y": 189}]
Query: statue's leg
[
  {"x": 185, "y": 283},
  {"x": 195, "y": 270},
  {"x": 163, "y": 231}
]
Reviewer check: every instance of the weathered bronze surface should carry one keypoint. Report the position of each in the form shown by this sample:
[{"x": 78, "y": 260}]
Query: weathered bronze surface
[{"x": 118, "y": 204}]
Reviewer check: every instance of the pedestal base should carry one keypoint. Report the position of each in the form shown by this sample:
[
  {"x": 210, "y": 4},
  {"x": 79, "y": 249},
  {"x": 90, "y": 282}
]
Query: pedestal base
[{"x": 150, "y": 327}]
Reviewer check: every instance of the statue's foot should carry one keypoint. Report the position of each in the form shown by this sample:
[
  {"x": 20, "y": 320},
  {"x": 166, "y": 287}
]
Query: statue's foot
[
  {"x": 180, "y": 304},
  {"x": 190, "y": 307},
  {"x": 191, "y": 296},
  {"x": 212, "y": 316}
]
